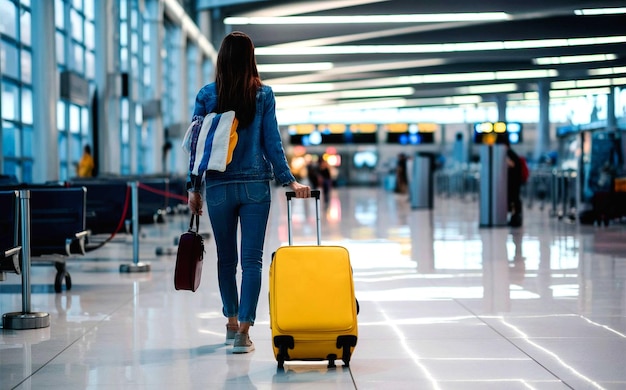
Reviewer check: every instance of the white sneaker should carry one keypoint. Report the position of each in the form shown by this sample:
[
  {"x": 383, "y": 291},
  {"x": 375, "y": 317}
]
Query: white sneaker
[
  {"x": 230, "y": 336},
  {"x": 243, "y": 344}
]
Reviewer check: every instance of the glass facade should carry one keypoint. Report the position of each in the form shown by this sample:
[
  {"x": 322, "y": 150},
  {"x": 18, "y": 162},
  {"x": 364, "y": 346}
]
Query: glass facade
[
  {"x": 16, "y": 105},
  {"x": 88, "y": 50},
  {"x": 75, "y": 53},
  {"x": 171, "y": 101}
]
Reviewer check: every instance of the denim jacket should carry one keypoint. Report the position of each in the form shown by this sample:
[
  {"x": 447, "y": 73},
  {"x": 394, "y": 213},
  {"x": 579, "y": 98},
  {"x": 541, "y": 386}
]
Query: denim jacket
[{"x": 259, "y": 154}]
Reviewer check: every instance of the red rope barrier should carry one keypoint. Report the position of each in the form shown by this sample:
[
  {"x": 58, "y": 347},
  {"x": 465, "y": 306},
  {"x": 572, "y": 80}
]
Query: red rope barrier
[
  {"x": 120, "y": 223},
  {"x": 163, "y": 193},
  {"x": 127, "y": 202}
]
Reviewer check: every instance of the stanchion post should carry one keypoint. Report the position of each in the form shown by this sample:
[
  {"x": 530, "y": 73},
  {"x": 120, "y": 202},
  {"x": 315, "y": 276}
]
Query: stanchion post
[
  {"x": 554, "y": 193},
  {"x": 25, "y": 319},
  {"x": 136, "y": 265}
]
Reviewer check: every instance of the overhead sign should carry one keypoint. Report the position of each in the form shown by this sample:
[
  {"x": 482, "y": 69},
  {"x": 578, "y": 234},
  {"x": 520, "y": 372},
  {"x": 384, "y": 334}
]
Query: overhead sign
[{"x": 497, "y": 132}]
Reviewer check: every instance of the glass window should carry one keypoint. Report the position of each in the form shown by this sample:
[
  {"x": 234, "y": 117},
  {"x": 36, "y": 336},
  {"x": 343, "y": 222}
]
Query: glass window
[
  {"x": 146, "y": 53},
  {"x": 64, "y": 172},
  {"x": 59, "y": 15},
  {"x": 123, "y": 59},
  {"x": 125, "y": 155},
  {"x": 147, "y": 82},
  {"x": 90, "y": 65},
  {"x": 10, "y": 140},
  {"x": 78, "y": 4},
  {"x": 25, "y": 2},
  {"x": 76, "y": 148},
  {"x": 10, "y": 60},
  {"x": 8, "y": 23},
  {"x": 134, "y": 19},
  {"x": 27, "y": 171},
  {"x": 61, "y": 116},
  {"x": 123, "y": 8},
  {"x": 144, "y": 136},
  {"x": 25, "y": 28},
  {"x": 15, "y": 148},
  {"x": 85, "y": 120},
  {"x": 138, "y": 114},
  {"x": 27, "y": 106},
  {"x": 89, "y": 9},
  {"x": 62, "y": 147},
  {"x": 90, "y": 36},
  {"x": 27, "y": 137},
  {"x": 60, "y": 48},
  {"x": 146, "y": 32},
  {"x": 125, "y": 134},
  {"x": 11, "y": 168},
  {"x": 27, "y": 67},
  {"x": 79, "y": 55},
  {"x": 76, "y": 23},
  {"x": 10, "y": 101},
  {"x": 124, "y": 110},
  {"x": 74, "y": 119},
  {"x": 134, "y": 65},
  {"x": 123, "y": 34},
  {"x": 134, "y": 42}
]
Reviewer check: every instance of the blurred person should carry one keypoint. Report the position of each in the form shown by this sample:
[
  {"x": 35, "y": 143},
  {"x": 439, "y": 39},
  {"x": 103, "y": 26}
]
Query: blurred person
[
  {"x": 326, "y": 179},
  {"x": 312, "y": 172},
  {"x": 514, "y": 184},
  {"x": 86, "y": 164},
  {"x": 241, "y": 194},
  {"x": 402, "y": 179}
]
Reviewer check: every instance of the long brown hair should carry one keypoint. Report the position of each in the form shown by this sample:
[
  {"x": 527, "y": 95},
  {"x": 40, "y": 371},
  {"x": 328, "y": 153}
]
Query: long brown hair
[{"x": 237, "y": 78}]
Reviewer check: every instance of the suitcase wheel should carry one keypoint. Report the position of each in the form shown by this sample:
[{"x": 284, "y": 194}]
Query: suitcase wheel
[
  {"x": 331, "y": 360},
  {"x": 346, "y": 343},
  {"x": 283, "y": 343}
]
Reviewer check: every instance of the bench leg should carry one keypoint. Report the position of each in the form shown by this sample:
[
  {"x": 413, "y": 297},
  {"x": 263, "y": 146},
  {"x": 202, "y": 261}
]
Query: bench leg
[{"x": 61, "y": 275}]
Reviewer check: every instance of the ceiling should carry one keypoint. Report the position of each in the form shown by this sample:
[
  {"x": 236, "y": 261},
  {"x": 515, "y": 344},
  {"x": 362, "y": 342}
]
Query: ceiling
[{"x": 414, "y": 63}]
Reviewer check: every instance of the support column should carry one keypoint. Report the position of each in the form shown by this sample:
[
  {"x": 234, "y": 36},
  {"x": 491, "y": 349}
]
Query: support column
[
  {"x": 542, "y": 145},
  {"x": 611, "y": 121},
  {"x": 155, "y": 23},
  {"x": 109, "y": 86},
  {"x": 501, "y": 100},
  {"x": 45, "y": 93},
  {"x": 183, "y": 68},
  {"x": 133, "y": 136},
  {"x": 1, "y": 135}
]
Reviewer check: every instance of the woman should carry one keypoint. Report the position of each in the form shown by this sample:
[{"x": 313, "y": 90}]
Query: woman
[
  {"x": 86, "y": 163},
  {"x": 241, "y": 194},
  {"x": 514, "y": 184}
]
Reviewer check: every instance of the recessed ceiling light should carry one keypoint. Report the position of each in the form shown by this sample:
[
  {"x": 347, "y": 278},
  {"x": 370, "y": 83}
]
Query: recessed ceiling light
[
  {"x": 299, "y": 67},
  {"x": 440, "y": 47},
  {"x": 600, "y": 11},
  {"x": 368, "y": 19},
  {"x": 573, "y": 59}
]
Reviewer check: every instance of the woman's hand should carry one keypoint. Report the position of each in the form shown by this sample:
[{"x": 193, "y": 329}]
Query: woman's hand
[
  {"x": 195, "y": 202},
  {"x": 301, "y": 190}
]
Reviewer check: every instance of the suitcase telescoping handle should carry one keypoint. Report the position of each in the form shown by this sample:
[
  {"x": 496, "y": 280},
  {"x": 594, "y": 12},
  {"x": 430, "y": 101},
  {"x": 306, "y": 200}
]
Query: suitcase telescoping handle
[{"x": 314, "y": 194}]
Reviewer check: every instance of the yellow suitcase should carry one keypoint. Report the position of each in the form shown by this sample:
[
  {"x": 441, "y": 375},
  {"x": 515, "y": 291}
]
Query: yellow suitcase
[{"x": 313, "y": 310}]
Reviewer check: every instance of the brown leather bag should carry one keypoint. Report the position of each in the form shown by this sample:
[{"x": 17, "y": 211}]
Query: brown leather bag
[{"x": 189, "y": 257}]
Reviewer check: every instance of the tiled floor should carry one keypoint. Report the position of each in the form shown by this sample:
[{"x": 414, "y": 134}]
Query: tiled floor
[{"x": 444, "y": 305}]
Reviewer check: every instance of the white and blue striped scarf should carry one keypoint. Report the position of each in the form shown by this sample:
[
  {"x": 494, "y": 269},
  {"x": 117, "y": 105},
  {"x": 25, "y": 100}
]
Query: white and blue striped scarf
[{"x": 210, "y": 142}]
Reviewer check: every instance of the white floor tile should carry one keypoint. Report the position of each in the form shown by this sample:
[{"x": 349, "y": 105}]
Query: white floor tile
[{"x": 444, "y": 304}]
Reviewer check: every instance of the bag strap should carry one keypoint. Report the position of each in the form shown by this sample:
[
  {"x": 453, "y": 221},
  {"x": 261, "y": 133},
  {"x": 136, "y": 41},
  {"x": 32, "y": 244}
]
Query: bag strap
[{"x": 197, "y": 223}]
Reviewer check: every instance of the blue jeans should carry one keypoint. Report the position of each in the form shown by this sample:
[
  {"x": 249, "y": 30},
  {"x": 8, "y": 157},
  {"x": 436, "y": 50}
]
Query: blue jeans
[{"x": 247, "y": 204}]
